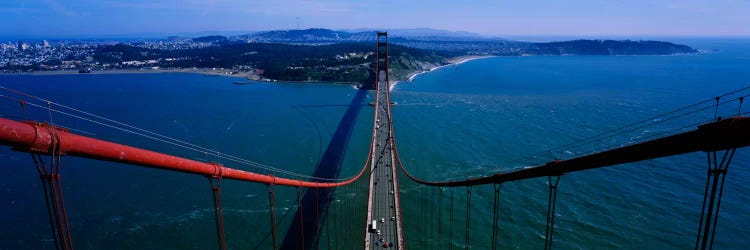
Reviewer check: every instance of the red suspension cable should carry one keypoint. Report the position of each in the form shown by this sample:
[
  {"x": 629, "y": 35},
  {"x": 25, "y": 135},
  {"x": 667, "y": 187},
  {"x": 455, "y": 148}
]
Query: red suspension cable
[{"x": 37, "y": 137}]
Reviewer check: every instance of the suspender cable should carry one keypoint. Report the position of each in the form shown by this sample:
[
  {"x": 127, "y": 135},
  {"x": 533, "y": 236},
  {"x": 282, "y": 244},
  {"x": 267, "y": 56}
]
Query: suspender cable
[
  {"x": 739, "y": 109},
  {"x": 339, "y": 235},
  {"x": 354, "y": 227},
  {"x": 272, "y": 210},
  {"x": 301, "y": 220},
  {"x": 423, "y": 204},
  {"x": 432, "y": 218},
  {"x": 335, "y": 216},
  {"x": 339, "y": 220},
  {"x": 353, "y": 208},
  {"x": 350, "y": 216},
  {"x": 328, "y": 217},
  {"x": 50, "y": 178},
  {"x": 716, "y": 110},
  {"x": 43, "y": 177},
  {"x": 340, "y": 215},
  {"x": 468, "y": 217},
  {"x": 440, "y": 218},
  {"x": 215, "y": 184},
  {"x": 551, "y": 210},
  {"x": 709, "y": 173},
  {"x": 26, "y": 116},
  {"x": 425, "y": 215},
  {"x": 422, "y": 218},
  {"x": 417, "y": 218},
  {"x": 715, "y": 179},
  {"x": 345, "y": 234},
  {"x": 361, "y": 211},
  {"x": 346, "y": 217},
  {"x": 58, "y": 218},
  {"x": 49, "y": 109},
  {"x": 495, "y": 216},
  {"x": 450, "y": 223},
  {"x": 356, "y": 240},
  {"x": 56, "y": 157},
  {"x": 317, "y": 217},
  {"x": 723, "y": 173}
]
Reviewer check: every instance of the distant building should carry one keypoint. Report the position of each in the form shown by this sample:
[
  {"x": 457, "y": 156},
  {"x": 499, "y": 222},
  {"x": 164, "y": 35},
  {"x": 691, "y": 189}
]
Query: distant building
[
  {"x": 45, "y": 43},
  {"x": 133, "y": 63}
]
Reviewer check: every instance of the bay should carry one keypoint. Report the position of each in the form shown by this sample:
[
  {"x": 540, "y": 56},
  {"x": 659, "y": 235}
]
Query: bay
[{"x": 459, "y": 121}]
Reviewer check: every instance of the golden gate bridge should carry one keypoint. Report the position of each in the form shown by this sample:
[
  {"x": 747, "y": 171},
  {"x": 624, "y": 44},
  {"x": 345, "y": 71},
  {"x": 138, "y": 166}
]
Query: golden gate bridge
[{"x": 320, "y": 221}]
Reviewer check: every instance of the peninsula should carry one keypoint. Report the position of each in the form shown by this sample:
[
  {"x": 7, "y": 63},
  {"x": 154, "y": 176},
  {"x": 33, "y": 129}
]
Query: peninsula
[{"x": 312, "y": 55}]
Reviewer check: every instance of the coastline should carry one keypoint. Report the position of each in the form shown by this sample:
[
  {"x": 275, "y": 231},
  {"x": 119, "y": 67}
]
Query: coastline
[
  {"x": 204, "y": 72},
  {"x": 241, "y": 75},
  {"x": 207, "y": 72},
  {"x": 451, "y": 61}
]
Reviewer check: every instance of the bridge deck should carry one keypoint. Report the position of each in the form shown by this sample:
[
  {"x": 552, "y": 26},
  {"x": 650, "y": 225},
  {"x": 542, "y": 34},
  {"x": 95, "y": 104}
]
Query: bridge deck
[{"x": 383, "y": 205}]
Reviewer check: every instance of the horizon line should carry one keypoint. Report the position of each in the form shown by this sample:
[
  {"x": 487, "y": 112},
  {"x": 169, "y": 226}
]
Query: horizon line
[{"x": 192, "y": 34}]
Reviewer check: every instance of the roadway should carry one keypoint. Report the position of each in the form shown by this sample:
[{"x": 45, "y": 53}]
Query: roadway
[{"x": 383, "y": 206}]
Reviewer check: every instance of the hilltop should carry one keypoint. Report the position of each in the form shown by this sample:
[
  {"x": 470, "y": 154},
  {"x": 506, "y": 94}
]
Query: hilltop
[
  {"x": 465, "y": 43},
  {"x": 342, "y": 56},
  {"x": 305, "y": 55},
  {"x": 338, "y": 62}
]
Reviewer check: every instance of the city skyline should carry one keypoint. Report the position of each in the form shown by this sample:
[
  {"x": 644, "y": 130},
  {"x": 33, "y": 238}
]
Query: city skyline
[{"x": 583, "y": 18}]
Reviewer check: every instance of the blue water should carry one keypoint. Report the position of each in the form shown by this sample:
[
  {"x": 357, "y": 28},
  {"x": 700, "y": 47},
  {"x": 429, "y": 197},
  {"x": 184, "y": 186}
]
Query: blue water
[
  {"x": 458, "y": 121},
  {"x": 287, "y": 126},
  {"x": 478, "y": 117}
]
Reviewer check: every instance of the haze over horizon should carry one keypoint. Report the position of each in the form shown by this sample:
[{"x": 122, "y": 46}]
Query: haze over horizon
[{"x": 576, "y": 18}]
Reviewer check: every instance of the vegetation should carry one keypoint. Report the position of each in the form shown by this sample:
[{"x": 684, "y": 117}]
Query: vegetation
[
  {"x": 341, "y": 62},
  {"x": 316, "y": 54},
  {"x": 206, "y": 39},
  {"x": 353, "y": 61},
  {"x": 609, "y": 47}
]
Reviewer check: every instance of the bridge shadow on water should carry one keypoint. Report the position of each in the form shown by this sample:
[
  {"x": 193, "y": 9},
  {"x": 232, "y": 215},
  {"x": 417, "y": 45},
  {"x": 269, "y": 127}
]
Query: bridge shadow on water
[{"x": 329, "y": 166}]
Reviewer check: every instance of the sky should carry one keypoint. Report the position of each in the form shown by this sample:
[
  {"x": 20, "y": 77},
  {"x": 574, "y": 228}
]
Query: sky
[{"x": 92, "y": 18}]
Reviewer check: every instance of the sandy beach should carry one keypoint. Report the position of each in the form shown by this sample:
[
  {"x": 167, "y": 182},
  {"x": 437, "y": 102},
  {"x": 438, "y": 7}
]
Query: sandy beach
[{"x": 451, "y": 61}]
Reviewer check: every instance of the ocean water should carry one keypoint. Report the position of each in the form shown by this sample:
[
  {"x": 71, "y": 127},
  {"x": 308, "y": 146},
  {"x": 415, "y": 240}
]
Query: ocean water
[
  {"x": 110, "y": 205},
  {"x": 481, "y": 116},
  {"x": 459, "y": 121}
]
